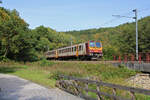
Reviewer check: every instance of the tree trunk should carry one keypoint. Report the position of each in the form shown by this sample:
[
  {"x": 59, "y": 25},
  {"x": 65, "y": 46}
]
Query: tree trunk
[{"x": 5, "y": 54}]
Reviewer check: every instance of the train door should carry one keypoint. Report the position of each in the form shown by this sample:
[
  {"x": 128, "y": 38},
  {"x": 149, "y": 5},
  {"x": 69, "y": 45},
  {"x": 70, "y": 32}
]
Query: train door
[
  {"x": 87, "y": 48},
  {"x": 77, "y": 51}
]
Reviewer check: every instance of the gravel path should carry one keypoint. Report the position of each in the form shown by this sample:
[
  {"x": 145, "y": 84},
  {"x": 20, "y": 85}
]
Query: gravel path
[{"x": 15, "y": 88}]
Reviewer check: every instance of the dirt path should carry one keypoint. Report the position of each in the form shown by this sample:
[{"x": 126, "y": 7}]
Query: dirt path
[{"x": 15, "y": 88}]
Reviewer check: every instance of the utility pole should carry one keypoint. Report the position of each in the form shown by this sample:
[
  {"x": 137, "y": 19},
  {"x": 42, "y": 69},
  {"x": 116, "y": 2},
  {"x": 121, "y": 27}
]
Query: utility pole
[{"x": 136, "y": 21}]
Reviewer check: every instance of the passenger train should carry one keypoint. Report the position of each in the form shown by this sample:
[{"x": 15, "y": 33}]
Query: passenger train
[{"x": 91, "y": 50}]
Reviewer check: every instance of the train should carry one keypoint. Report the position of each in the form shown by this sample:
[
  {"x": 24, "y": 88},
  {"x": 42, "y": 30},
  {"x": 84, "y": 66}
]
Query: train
[{"x": 90, "y": 50}]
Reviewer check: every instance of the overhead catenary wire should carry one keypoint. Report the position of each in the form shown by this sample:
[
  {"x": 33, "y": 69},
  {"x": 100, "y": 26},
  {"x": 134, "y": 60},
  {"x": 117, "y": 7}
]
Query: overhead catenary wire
[
  {"x": 114, "y": 19},
  {"x": 127, "y": 15}
]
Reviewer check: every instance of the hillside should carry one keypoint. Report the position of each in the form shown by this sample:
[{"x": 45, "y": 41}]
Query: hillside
[{"x": 120, "y": 39}]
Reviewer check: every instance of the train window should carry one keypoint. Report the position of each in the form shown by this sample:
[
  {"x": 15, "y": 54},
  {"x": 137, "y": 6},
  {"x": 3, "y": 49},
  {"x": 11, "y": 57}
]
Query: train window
[
  {"x": 80, "y": 48},
  {"x": 98, "y": 44},
  {"x": 65, "y": 50},
  {"x": 92, "y": 44},
  {"x": 72, "y": 49}
]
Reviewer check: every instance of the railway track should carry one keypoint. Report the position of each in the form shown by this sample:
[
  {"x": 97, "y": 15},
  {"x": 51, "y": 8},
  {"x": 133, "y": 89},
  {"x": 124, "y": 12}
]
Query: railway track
[{"x": 92, "y": 62}]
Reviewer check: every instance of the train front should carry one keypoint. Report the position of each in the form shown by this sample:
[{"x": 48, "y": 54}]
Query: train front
[{"x": 95, "y": 50}]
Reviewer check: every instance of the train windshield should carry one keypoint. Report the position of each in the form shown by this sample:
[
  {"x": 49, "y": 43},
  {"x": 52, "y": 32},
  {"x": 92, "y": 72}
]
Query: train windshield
[
  {"x": 98, "y": 44},
  {"x": 92, "y": 44}
]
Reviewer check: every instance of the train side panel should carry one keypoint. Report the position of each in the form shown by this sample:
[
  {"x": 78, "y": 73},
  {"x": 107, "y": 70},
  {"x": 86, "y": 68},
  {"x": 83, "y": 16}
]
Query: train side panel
[{"x": 80, "y": 50}]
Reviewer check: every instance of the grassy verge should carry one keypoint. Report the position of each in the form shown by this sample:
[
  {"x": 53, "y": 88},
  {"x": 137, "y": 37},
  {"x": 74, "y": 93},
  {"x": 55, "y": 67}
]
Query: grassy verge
[{"x": 46, "y": 72}]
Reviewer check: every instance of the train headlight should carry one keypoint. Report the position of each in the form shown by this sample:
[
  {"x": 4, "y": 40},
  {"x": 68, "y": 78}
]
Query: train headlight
[{"x": 91, "y": 54}]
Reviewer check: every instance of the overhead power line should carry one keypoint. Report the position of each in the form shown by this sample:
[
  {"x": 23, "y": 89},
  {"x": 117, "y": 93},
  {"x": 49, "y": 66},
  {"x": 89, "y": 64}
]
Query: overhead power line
[
  {"x": 136, "y": 20},
  {"x": 115, "y": 19},
  {"x": 119, "y": 16}
]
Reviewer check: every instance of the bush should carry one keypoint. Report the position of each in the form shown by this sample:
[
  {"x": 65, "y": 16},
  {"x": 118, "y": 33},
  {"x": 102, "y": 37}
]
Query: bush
[
  {"x": 55, "y": 75},
  {"x": 122, "y": 66},
  {"x": 45, "y": 62},
  {"x": 4, "y": 59}
]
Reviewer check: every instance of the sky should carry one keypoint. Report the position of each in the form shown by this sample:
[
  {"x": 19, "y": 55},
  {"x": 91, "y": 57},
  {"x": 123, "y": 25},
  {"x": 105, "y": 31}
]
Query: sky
[{"x": 67, "y": 15}]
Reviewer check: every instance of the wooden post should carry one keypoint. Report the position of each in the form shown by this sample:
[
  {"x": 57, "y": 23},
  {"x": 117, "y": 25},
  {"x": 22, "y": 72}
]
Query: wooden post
[
  {"x": 114, "y": 93},
  {"x": 132, "y": 95},
  {"x": 86, "y": 86},
  {"x": 98, "y": 93}
]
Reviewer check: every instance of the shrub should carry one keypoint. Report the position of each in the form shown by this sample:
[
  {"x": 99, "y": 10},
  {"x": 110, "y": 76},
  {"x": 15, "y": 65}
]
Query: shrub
[
  {"x": 45, "y": 62},
  {"x": 4, "y": 59}
]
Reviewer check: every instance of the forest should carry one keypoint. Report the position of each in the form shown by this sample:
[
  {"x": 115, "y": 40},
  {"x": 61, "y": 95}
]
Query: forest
[{"x": 20, "y": 43}]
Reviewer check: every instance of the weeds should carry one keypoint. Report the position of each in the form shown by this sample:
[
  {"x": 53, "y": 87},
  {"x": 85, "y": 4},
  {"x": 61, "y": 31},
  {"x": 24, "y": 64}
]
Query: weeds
[{"x": 45, "y": 62}]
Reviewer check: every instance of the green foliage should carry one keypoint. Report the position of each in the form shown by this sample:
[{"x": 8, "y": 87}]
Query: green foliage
[
  {"x": 18, "y": 42},
  {"x": 45, "y": 62},
  {"x": 4, "y": 59},
  {"x": 15, "y": 37}
]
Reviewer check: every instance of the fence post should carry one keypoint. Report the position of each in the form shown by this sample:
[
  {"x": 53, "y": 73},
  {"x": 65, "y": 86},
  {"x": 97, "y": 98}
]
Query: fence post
[
  {"x": 114, "y": 58},
  {"x": 125, "y": 59},
  {"x": 86, "y": 86},
  {"x": 132, "y": 95},
  {"x": 119, "y": 58},
  {"x": 147, "y": 57},
  {"x": 98, "y": 93},
  {"x": 140, "y": 58},
  {"x": 132, "y": 58},
  {"x": 114, "y": 93}
]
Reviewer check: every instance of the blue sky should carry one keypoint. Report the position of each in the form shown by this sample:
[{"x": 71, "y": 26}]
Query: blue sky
[{"x": 65, "y": 15}]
